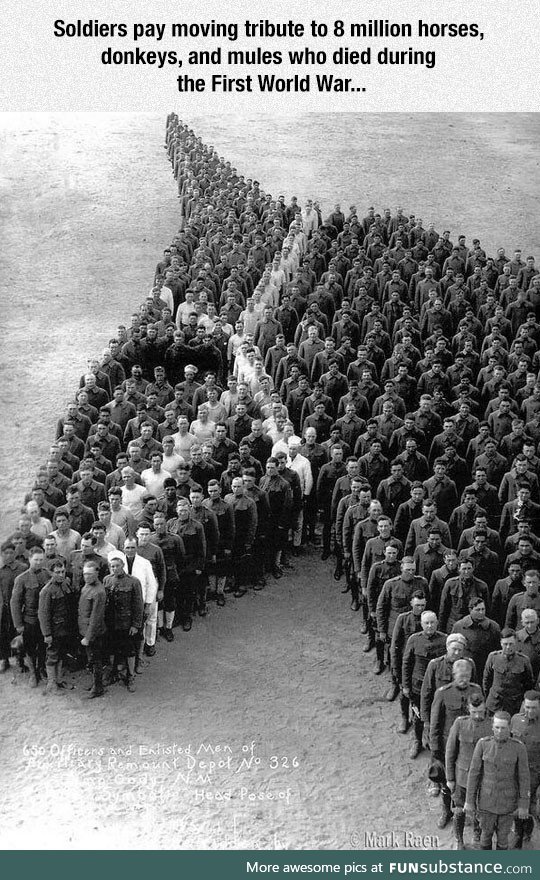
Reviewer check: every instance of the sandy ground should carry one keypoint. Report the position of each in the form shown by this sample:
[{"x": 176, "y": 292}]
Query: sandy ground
[{"x": 275, "y": 685}]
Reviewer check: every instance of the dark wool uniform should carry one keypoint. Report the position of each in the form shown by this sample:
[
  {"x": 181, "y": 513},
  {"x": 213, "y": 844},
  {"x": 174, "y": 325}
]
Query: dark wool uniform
[
  {"x": 172, "y": 548},
  {"x": 192, "y": 534},
  {"x": 394, "y": 599},
  {"x": 528, "y": 732},
  {"x": 498, "y": 784},
  {"x": 419, "y": 650},
  {"x": 225, "y": 525},
  {"x": 91, "y": 619},
  {"x": 8, "y": 573},
  {"x": 456, "y": 594},
  {"x": 482, "y": 636},
  {"x": 245, "y": 529},
  {"x": 124, "y": 610},
  {"x": 505, "y": 681},
  {"x": 24, "y": 612},
  {"x": 57, "y": 612},
  {"x": 464, "y": 734}
]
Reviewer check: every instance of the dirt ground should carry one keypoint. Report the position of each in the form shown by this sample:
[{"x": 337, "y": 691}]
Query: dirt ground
[{"x": 264, "y": 727}]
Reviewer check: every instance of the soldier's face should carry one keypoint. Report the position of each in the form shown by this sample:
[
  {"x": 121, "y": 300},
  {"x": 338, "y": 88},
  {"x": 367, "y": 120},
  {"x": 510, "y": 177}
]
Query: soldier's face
[
  {"x": 501, "y": 729},
  {"x": 531, "y": 709},
  {"x": 478, "y": 713}
]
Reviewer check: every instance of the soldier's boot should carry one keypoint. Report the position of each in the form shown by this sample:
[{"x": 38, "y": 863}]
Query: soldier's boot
[
  {"x": 459, "y": 827},
  {"x": 112, "y": 675},
  {"x": 477, "y": 832},
  {"x": 416, "y": 746},
  {"x": 355, "y": 602},
  {"x": 528, "y": 828},
  {"x": 32, "y": 672},
  {"x": 52, "y": 680},
  {"x": 365, "y": 610},
  {"x": 446, "y": 809},
  {"x": 338, "y": 571},
  {"x": 393, "y": 691},
  {"x": 519, "y": 832},
  {"x": 404, "y": 722},
  {"x": 97, "y": 689},
  {"x": 130, "y": 677},
  {"x": 379, "y": 657},
  {"x": 370, "y": 644},
  {"x": 61, "y": 683}
]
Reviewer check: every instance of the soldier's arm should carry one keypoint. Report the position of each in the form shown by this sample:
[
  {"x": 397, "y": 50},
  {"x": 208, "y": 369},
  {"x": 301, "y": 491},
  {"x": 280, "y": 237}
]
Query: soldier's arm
[
  {"x": 487, "y": 680},
  {"x": 524, "y": 778},
  {"x": 96, "y": 615},
  {"x": 44, "y": 613},
  {"x": 473, "y": 778},
  {"x": 396, "y": 649},
  {"x": 436, "y": 727},
  {"x": 407, "y": 665},
  {"x": 452, "y": 751},
  {"x": 137, "y": 605},
  {"x": 426, "y": 693},
  {"x": 16, "y": 605}
]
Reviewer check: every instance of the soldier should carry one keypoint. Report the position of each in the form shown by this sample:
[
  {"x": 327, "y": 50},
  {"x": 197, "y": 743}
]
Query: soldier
[
  {"x": 421, "y": 647},
  {"x": 92, "y": 627},
  {"x": 439, "y": 672},
  {"x": 457, "y": 593},
  {"x": 192, "y": 534},
  {"x": 24, "y": 612},
  {"x": 9, "y": 570},
  {"x": 507, "y": 675},
  {"x": 225, "y": 523},
  {"x": 280, "y": 501},
  {"x": 464, "y": 734},
  {"x": 498, "y": 783},
  {"x": 245, "y": 529},
  {"x": 526, "y": 727},
  {"x": 482, "y": 634},
  {"x": 123, "y": 617},
  {"x": 393, "y": 600},
  {"x": 208, "y": 520},
  {"x": 449, "y": 703},
  {"x": 379, "y": 573},
  {"x": 57, "y": 614},
  {"x": 173, "y": 551}
]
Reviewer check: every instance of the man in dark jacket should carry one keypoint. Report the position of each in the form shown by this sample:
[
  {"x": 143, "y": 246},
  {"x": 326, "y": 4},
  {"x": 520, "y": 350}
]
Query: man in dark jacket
[
  {"x": 124, "y": 618},
  {"x": 92, "y": 627}
]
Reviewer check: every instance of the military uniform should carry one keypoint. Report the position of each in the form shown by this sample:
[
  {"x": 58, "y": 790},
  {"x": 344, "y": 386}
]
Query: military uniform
[
  {"x": 498, "y": 784},
  {"x": 528, "y": 732},
  {"x": 57, "y": 613},
  {"x": 464, "y": 734},
  {"x": 505, "y": 681},
  {"x": 419, "y": 650}
]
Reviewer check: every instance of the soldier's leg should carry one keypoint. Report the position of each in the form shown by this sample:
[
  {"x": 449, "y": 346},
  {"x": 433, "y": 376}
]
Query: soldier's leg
[
  {"x": 6, "y": 635},
  {"x": 446, "y": 804},
  {"x": 202, "y": 590},
  {"x": 488, "y": 823},
  {"x": 418, "y": 726},
  {"x": 95, "y": 660},
  {"x": 30, "y": 645},
  {"x": 404, "y": 709},
  {"x": 503, "y": 828},
  {"x": 131, "y": 648},
  {"x": 458, "y": 821},
  {"x": 326, "y": 534},
  {"x": 338, "y": 571},
  {"x": 150, "y": 629}
]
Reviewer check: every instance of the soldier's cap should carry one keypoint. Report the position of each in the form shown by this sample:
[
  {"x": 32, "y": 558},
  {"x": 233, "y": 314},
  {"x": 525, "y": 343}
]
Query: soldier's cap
[
  {"x": 116, "y": 554},
  {"x": 17, "y": 643},
  {"x": 456, "y": 637},
  {"x": 294, "y": 440},
  {"x": 190, "y": 368},
  {"x": 436, "y": 771}
]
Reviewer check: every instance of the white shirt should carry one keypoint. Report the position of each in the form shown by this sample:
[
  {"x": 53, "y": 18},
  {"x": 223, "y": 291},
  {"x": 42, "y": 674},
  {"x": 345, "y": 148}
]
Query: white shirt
[
  {"x": 142, "y": 569},
  {"x": 154, "y": 482},
  {"x": 132, "y": 498},
  {"x": 302, "y": 466}
]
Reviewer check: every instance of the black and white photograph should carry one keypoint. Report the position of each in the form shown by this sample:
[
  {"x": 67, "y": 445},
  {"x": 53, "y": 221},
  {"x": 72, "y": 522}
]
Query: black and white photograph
[{"x": 270, "y": 464}]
